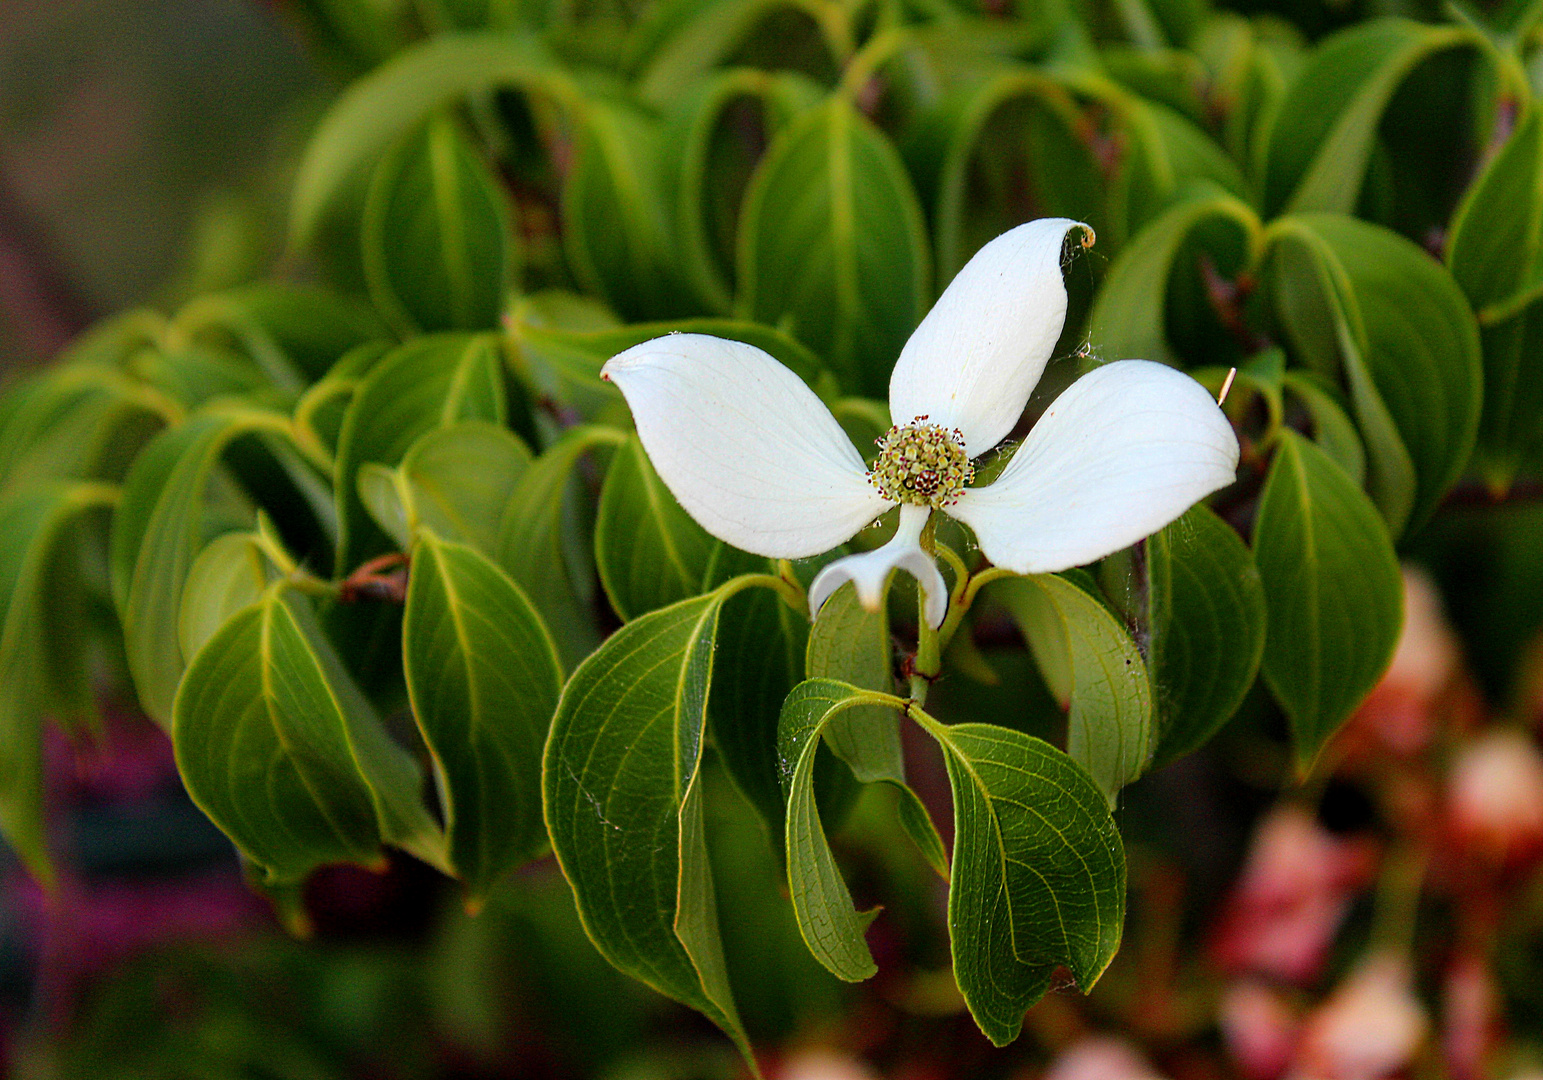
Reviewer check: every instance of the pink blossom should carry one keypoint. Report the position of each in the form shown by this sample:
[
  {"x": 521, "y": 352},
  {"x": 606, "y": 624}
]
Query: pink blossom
[
  {"x": 1101, "y": 1058},
  {"x": 1399, "y": 715},
  {"x": 1260, "y": 1028},
  {"x": 1495, "y": 798},
  {"x": 1370, "y": 1027},
  {"x": 1291, "y": 898},
  {"x": 823, "y": 1064},
  {"x": 1469, "y": 1016}
]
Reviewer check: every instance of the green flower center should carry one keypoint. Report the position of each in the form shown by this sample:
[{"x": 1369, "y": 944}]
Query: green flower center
[{"x": 922, "y": 464}]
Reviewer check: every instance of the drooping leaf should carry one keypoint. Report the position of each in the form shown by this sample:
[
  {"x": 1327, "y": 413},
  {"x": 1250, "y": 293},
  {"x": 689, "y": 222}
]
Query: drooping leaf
[
  {"x": 719, "y": 128},
  {"x": 1205, "y": 618},
  {"x": 1326, "y": 127},
  {"x": 81, "y": 421},
  {"x": 1000, "y": 148},
  {"x": 681, "y": 40},
  {"x": 851, "y": 645},
  {"x": 42, "y": 658},
  {"x": 230, "y": 573},
  {"x": 293, "y": 333},
  {"x": 158, "y": 529},
  {"x": 456, "y": 480},
  {"x": 832, "y": 246},
  {"x": 624, "y": 804},
  {"x": 280, "y": 748},
  {"x": 830, "y": 926},
  {"x": 1171, "y": 157},
  {"x": 430, "y": 382},
  {"x": 1091, "y": 663},
  {"x": 1332, "y": 591},
  {"x": 649, "y": 551},
  {"x": 1038, "y": 875},
  {"x": 1493, "y": 250},
  {"x": 1358, "y": 298},
  {"x": 439, "y": 251},
  {"x": 1130, "y": 312},
  {"x": 759, "y": 657},
  {"x": 320, "y": 411},
  {"x": 397, "y": 96},
  {"x": 483, "y": 677},
  {"x": 1332, "y": 427},
  {"x": 540, "y": 545},
  {"x": 615, "y": 228}
]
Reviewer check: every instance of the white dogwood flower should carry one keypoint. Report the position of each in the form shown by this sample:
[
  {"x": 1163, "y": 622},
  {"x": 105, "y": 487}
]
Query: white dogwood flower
[{"x": 755, "y": 457}]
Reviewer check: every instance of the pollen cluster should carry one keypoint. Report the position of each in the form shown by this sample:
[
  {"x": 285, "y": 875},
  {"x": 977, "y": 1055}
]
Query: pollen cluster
[{"x": 922, "y": 464}]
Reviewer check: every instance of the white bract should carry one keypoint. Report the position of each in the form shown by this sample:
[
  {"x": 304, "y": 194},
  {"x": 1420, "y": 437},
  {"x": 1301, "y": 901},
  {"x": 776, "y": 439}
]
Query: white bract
[{"x": 755, "y": 457}]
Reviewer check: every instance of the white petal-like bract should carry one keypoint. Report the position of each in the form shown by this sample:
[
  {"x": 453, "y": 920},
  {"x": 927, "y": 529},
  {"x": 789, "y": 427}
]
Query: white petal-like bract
[
  {"x": 978, "y": 354},
  {"x": 1122, "y": 452},
  {"x": 745, "y": 447},
  {"x": 869, "y": 570}
]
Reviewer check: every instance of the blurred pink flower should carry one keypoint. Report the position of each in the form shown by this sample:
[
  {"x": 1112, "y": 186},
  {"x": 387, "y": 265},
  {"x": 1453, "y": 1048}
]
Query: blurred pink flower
[
  {"x": 1399, "y": 715},
  {"x": 822, "y": 1064},
  {"x": 1469, "y": 1016},
  {"x": 1370, "y": 1027},
  {"x": 1101, "y": 1057},
  {"x": 1293, "y": 893},
  {"x": 102, "y": 923},
  {"x": 1495, "y": 798},
  {"x": 1260, "y": 1028}
]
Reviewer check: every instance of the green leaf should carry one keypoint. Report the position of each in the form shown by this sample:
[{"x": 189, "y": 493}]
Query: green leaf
[
  {"x": 1205, "y": 619},
  {"x": 320, "y": 411},
  {"x": 456, "y": 480},
  {"x": 279, "y": 747},
  {"x": 759, "y": 657},
  {"x": 536, "y": 546},
  {"x": 1094, "y": 667},
  {"x": 679, "y": 41},
  {"x": 1332, "y": 429},
  {"x": 399, "y": 95},
  {"x": 1326, "y": 127},
  {"x": 76, "y": 422},
  {"x": 649, "y": 551},
  {"x": 615, "y": 231},
  {"x": 230, "y": 573},
  {"x": 1250, "y": 63},
  {"x": 999, "y": 148},
  {"x": 624, "y": 804},
  {"x": 196, "y": 373},
  {"x": 112, "y": 341},
  {"x": 1356, "y": 296},
  {"x": 1493, "y": 250},
  {"x": 439, "y": 250},
  {"x": 42, "y": 658},
  {"x": 832, "y": 246},
  {"x": 157, "y": 530},
  {"x": 719, "y": 128},
  {"x": 1130, "y": 311},
  {"x": 851, "y": 645},
  {"x": 483, "y": 677},
  {"x": 1038, "y": 871},
  {"x": 830, "y": 926},
  {"x": 1171, "y": 157},
  {"x": 294, "y": 333},
  {"x": 1332, "y": 589},
  {"x": 431, "y": 382}
]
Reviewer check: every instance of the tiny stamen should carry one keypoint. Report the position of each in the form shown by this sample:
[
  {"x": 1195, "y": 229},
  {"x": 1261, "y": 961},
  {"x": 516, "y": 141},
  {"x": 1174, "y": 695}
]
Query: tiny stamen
[{"x": 922, "y": 464}]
